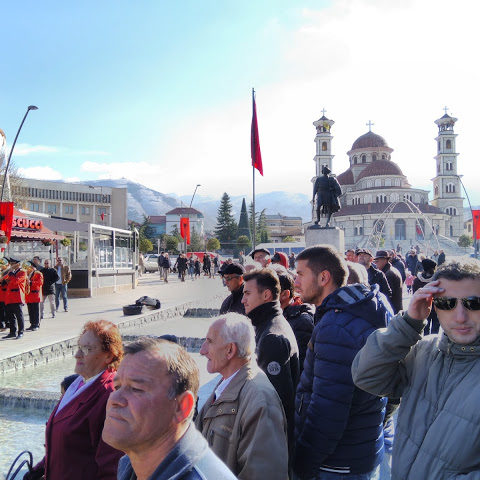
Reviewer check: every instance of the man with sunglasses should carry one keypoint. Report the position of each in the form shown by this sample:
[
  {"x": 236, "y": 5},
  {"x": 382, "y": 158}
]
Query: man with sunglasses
[
  {"x": 437, "y": 377},
  {"x": 233, "y": 278}
]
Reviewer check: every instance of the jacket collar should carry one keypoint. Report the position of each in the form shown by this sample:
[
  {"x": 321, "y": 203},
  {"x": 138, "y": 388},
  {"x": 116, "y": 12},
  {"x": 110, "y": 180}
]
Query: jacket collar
[
  {"x": 230, "y": 394},
  {"x": 238, "y": 292},
  {"x": 265, "y": 312},
  {"x": 450, "y": 348}
]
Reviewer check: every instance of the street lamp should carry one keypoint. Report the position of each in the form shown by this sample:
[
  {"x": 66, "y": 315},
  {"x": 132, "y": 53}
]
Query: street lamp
[
  {"x": 31, "y": 107},
  {"x": 473, "y": 220},
  {"x": 194, "y": 192}
]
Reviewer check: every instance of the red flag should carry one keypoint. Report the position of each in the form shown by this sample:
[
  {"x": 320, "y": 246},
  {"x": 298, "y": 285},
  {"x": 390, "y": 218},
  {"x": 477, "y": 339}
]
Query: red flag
[
  {"x": 476, "y": 223},
  {"x": 185, "y": 228},
  {"x": 255, "y": 140},
  {"x": 6, "y": 218},
  {"x": 102, "y": 216}
]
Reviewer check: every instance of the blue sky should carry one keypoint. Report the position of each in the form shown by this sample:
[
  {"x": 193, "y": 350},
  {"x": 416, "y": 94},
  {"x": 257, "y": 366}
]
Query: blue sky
[{"x": 159, "y": 92}]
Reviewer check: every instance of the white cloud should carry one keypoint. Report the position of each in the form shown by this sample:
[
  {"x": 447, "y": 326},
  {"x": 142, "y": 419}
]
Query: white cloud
[
  {"x": 40, "y": 173},
  {"x": 22, "y": 149}
]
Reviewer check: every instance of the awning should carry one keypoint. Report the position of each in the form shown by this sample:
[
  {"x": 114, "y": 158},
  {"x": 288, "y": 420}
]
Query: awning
[{"x": 39, "y": 232}]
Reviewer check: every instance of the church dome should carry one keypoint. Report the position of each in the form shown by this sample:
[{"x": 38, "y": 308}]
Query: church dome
[
  {"x": 346, "y": 178},
  {"x": 380, "y": 167},
  {"x": 369, "y": 140}
]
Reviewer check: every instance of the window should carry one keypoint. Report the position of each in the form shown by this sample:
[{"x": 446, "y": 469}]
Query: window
[
  {"x": 400, "y": 230},
  {"x": 355, "y": 160},
  {"x": 68, "y": 209},
  {"x": 85, "y": 210},
  {"x": 324, "y": 146},
  {"x": 451, "y": 210},
  {"x": 448, "y": 145},
  {"x": 364, "y": 159},
  {"x": 384, "y": 157},
  {"x": 34, "y": 207},
  {"x": 374, "y": 157},
  {"x": 450, "y": 188},
  {"x": 104, "y": 211},
  {"x": 51, "y": 208}
]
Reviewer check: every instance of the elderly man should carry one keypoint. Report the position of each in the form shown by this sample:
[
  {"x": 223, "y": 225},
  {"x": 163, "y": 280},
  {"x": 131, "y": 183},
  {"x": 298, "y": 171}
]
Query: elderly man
[
  {"x": 149, "y": 416},
  {"x": 261, "y": 256},
  {"x": 394, "y": 279},
  {"x": 244, "y": 404},
  {"x": 436, "y": 377},
  {"x": 233, "y": 278},
  {"x": 375, "y": 276}
]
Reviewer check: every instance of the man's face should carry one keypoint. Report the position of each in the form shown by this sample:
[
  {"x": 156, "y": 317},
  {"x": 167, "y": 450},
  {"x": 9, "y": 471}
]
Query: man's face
[
  {"x": 350, "y": 256},
  {"x": 140, "y": 413},
  {"x": 462, "y": 326},
  {"x": 214, "y": 348},
  {"x": 252, "y": 297},
  {"x": 59, "y": 261},
  {"x": 381, "y": 262},
  {"x": 306, "y": 284},
  {"x": 262, "y": 258},
  {"x": 233, "y": 281},
  {"x": 47, "y": 263},
  {"x": 365, "y": 259}
]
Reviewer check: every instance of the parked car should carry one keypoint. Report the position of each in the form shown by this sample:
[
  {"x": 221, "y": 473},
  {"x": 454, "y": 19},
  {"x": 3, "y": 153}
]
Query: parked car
[{"x": 151, "y": 262}]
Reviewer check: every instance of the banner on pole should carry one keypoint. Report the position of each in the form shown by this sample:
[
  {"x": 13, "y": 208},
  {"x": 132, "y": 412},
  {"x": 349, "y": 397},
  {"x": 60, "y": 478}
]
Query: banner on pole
[
  {"x": 6, "y": 218},
  {"x": 185, "y": 228},
  {"x": 476, "y": 223},
  {"x": 255, "y": 140}
]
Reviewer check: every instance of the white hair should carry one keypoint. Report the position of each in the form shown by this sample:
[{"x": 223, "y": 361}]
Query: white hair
[{"x": 238, "y": 329}]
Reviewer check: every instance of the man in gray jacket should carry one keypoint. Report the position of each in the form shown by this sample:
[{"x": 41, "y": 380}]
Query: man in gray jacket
[{"x": 437, "y": 377}]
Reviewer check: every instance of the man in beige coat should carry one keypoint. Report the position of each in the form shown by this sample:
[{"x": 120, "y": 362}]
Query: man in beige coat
[{"x": 243, "y": 420}]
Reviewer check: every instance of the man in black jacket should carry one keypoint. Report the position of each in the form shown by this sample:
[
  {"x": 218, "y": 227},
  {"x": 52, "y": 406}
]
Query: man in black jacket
[
  {"x": 365, "y": 258},
  {"x": 233, "y": 277},
  {"x": 394, "y": 279},
  {"x": 277, "y": 350},
  {"x": 50, "y": 276}
]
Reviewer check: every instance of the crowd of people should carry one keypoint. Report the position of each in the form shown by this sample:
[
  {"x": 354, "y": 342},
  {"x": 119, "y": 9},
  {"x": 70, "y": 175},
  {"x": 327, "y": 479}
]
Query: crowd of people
[
  {"x": 30, "y": 283},
  {"x": 314, "y": 362}
]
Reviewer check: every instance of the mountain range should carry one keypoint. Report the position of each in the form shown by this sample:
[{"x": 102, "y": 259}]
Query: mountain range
[{"x": 142, "y": 201}]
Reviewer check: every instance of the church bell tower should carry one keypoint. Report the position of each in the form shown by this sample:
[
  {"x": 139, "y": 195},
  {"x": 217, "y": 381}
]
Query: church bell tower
[{"x": 323, "y": 141}]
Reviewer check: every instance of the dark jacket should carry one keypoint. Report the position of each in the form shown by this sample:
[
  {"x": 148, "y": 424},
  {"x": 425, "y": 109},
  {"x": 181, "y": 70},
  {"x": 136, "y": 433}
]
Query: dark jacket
[
  {"x": 400, "y": 266},
  {"x": 377, "y": 276},
  {"x": 441, "y": 258},
  {"x": 233, "y": 303},
  {"x": 394, "y": 280},
  {"x": 190, "y": 459},
  {"x": 182, "y": 264},
  {"x": 412, "y": 263},
  {"x": 277, "y": 356},
  {"x": 338, "y": 426},
  {"x": 166, "y": 262},
  {"x": 300, "y": 318},
  {"x": 50, "y": 276}
]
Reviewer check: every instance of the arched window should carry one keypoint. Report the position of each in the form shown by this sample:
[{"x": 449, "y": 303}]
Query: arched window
[
  {"x": 388, "y": 182},
  {"x": 420, "y": 229},
  {"x": 355, "y": 233},
  {"x": 400, "y": 230},
  {"x": 324, "y": 146},
  {"x": 364, "y": 159},
  {"x": 448, "y": 145},
  {"x": 451, "y": 210},
  {"x": 436, "y": 190},
  {"x": 360, "y": 230},
  {"x": 355, "y": 159},
  {"x": 378, "y": 182},
  {"x": 369, "y": 184},
  {"x": 384, "y": 157},
  {"x": 439, "y": 146},
  {"x": 374, "y": 157},
  {"x": 451, "y": 231}
]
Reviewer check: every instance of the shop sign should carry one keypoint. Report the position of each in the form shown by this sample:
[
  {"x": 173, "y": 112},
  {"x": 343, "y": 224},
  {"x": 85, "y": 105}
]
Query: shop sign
[{"x": 27, "y": 223}]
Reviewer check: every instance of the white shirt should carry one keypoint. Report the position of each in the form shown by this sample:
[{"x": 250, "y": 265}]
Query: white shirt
[
  {"x": 224, "y": 384},
  {"x": 73, "y": 391}
]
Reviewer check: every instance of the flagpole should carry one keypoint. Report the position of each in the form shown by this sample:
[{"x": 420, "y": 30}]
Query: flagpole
[{"x": 253, "y": 172}]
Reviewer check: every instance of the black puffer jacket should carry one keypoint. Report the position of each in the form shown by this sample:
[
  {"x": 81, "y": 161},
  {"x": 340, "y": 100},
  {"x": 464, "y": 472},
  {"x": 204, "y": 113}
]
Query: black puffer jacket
[
  {"x": 376, "y": 276},
  {"x": 50, "y": 276},
  {"x": 233, "y": 303},
  {"x": 300, "y": 318}
]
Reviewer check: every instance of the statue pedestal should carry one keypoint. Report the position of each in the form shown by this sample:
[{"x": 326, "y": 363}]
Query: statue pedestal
[{"x": 316, "y": 235}]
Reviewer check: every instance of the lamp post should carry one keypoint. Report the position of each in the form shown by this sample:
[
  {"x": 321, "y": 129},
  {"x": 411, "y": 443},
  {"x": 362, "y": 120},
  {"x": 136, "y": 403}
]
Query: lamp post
[
  {"x": 194, "y": 192},
  {"x": 473, "y": 220},
  {"x": 30, "y": 107}
]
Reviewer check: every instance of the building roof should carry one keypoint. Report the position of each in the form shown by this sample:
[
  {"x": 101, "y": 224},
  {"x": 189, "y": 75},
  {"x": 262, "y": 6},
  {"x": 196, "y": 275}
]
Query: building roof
[
  {"x": 369, "y": 140},
  {"x": 156, "y": 219},
  {"x": 183, "y": 211},
  {"x": 380, "y": 167},
  {"x": 376, "y": 208},
  {"x": 346, "y": 178}
]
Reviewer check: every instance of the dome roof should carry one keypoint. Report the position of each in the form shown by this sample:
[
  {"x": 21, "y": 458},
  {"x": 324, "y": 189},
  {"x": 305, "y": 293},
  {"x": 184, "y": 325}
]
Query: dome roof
[
  {"x": 380, "y": 167},
  {"x": 369, "y": 140},
  {"x": 345, "y": 178}
]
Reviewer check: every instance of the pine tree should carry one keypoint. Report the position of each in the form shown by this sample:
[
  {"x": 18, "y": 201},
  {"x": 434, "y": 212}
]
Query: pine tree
[
  {"x": 250, "y": 221},
  {"x": 226, "y": 229},
  {"x": 244, "y": 224},
  {"x": 263, "y": 234}
]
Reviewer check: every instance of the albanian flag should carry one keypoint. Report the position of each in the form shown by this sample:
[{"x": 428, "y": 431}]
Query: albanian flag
[
  {"x": 476, "y": 223},
  {"x": 185, "y": 228},
  {"x": 255, "y": 140},
  {"x": 6, "y": 218}
]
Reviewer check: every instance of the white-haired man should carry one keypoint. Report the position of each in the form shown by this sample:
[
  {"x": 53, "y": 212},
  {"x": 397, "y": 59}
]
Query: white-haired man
[{"x": 243, "y": 420}]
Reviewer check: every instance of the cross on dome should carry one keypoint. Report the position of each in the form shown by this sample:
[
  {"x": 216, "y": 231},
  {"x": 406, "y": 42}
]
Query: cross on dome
[
  {"x": 369, "y": 125},
  {"x": 323, "y": 111},
  {"x": 446, "y": 110}
]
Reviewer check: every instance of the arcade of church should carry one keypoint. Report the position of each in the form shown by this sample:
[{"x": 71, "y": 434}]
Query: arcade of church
[{"x": 373, "y": 184}]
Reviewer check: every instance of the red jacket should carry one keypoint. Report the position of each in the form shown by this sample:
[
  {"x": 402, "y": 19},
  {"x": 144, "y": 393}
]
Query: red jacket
[
  {"x": 74, "y": 448},
  {"x": 35, "y": 292},
  {"x": 15, "y": 287}
]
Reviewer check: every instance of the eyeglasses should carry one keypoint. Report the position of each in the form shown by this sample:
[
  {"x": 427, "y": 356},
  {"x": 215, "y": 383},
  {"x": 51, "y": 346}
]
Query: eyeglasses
[
  {"x": 449, "y": 303},
  {"x": 85, "y": 350},
  {"x": 229, "y": 279}
]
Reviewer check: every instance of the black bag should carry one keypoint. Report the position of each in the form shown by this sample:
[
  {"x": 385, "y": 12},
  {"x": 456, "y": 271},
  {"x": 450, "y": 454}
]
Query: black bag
[
  {"x": 153, "y": 303},
  {"x": 132, "y": 309}
]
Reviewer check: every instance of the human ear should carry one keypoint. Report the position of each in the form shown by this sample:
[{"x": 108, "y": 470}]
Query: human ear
[{"x": 185, "y": 404}]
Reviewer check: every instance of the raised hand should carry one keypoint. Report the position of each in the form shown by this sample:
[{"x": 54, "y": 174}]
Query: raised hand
[{"x": 421, "y": 303}]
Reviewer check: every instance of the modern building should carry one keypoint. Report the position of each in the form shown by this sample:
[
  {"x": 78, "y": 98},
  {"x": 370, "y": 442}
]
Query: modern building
[
  {"x": 158, "y": 224},
  {"x": 173, "y": 220},
  {"x": 75, "y": 201},
  {"x": 377, "y": 200},
  {"x": 280, "y": 226}
]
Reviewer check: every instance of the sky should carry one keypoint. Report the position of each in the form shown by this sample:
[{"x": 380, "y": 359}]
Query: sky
[{"x": 160, "y": 92}]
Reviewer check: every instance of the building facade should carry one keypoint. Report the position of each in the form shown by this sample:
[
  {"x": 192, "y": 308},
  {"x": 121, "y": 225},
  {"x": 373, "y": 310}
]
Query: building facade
[
  {"x": 172, "y": 222},
  {"x": 280, "y": 226},
  {"x": 378, "y": 202},
  {"x": 75, "y": 201}
]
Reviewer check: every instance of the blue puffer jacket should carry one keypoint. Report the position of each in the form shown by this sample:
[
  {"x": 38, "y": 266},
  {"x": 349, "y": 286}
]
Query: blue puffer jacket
[{"x": 338, "y": 427}]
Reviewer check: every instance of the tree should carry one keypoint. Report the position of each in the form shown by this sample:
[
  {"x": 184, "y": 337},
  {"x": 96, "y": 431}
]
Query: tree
[
  {"x": 244, "y": 224},
  {"x": 171, "y": 243},
  {"x": 176, "y": 233},
  {"x": 465, "y": 241},
  {"x": 146, "y": 230},
  {"x": 213, "y": 244},
  {"x": 288, "y": 239},
  {"x": 196, "y": 242},
  {"x": 263, "y": 234},
  {"x": 145, "y": 245},
  {"x": 226, "y": 229},
  {"x": 251, "y": 219},
  {"x": 243, "y": 243}
]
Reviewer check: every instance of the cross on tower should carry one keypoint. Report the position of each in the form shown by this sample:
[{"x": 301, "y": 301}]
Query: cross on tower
[
  {"x": 323, "y": 112},
  {"x": 369, "y": 125},
  {"x": 446, "y": 110}
]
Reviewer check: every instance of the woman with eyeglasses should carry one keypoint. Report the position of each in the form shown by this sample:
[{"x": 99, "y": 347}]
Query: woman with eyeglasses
[{"x": 74, "y": 448}]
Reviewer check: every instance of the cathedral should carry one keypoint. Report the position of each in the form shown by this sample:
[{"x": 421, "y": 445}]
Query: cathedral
[{"x": 379, "y": 206}]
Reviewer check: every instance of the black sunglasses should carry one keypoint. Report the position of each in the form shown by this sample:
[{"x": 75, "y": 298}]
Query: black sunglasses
[{"x": 449, "y": 303}]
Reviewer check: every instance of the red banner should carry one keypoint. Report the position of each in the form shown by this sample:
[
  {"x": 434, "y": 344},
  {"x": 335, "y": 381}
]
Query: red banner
[
  {"x": 185, "y": 228},
  {"x": 6, "y": 218},
  {"x": 476, "y": 223},
  {"x": 255, "y": 140}
]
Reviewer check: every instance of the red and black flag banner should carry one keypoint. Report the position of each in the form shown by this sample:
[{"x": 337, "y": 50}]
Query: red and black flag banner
[
  {"x": 6, "y": 218},
  {"x": 476, "y": 223},
  {"x": 185, "y": 228},
  {"x": 255, "y": 140}
]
